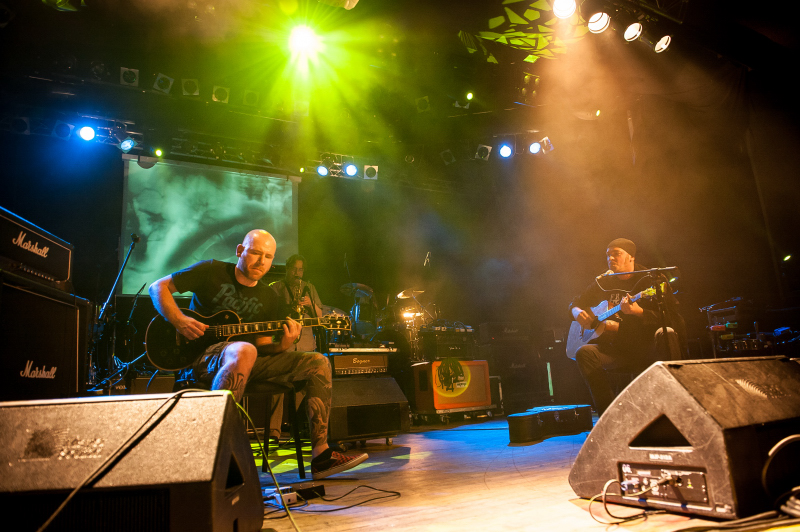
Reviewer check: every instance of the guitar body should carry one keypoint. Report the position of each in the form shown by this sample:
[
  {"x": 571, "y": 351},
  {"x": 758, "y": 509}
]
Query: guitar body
[
  {"x": 579, "y": 337},
  {"x": 169, "y": 350}
]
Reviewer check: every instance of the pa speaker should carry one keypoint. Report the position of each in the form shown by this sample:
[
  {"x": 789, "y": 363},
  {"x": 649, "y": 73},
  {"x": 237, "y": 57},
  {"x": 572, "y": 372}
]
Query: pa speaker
[
  {"x": 193, "y": 470},
  {"x": 367, "y": 407},
  {"x": 694, "y": 437}
]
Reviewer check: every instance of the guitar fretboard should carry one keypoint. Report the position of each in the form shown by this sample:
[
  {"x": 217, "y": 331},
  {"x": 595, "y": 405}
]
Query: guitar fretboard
[
  {"x": 259, "y": 327},
  {"x": 610, "y": 312}
]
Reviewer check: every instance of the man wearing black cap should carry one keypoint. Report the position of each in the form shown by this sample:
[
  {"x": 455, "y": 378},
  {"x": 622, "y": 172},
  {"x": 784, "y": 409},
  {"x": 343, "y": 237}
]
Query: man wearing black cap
[{"x": 631, "y": 339}]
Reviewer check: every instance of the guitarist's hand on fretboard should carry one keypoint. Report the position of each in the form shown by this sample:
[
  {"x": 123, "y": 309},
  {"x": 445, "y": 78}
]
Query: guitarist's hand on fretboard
[
  {"x": 628, "y": 307},
  {"x": 190, "y": 327}
]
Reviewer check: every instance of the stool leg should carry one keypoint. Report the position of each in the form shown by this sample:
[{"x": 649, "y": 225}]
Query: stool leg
[
  {"x": 267, "y": 416},
  {"x": 298, "y": 445}
]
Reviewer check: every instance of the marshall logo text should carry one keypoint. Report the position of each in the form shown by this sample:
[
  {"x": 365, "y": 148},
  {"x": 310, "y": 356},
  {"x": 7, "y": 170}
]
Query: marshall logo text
[
  {"x": 35, "y": 373},
  {"x": 33, "y": 247}
]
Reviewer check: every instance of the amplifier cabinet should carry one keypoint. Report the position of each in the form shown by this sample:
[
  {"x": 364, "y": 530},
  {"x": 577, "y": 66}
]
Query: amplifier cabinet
[
  {"x": 367, "y": 407},
  {"x": 504, "y": 331},
  {"x": 43, "y": 334},
  {"x": 448, "y": 344},
  {"x": 451, "y": 385}
]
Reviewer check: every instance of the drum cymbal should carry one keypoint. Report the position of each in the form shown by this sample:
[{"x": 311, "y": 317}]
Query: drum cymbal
[
  {"x": 328, "y": 310},
  {"x": 356, "y": 290},
  {"x": 405, "y": 294}
]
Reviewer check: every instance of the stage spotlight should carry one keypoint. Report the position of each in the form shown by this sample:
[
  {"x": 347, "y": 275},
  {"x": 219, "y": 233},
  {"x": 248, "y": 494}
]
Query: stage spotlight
[
  {"x": 506, "y": 150},
  {"x": 190, "y": 87},
  {"x": 303, "y": 41},
  {"x": 447, "y": 157},
  {"x": 250, "y": 98},
  {"x": 423, "y": 104},
  {"x": 220, "y": 94},
  {"x": 163, "y": 83},
  {"x": 350, "y": 169},
  {"x": 370, "y": 172},
  {"x": 787, "y": 258},
  {"x": 158, "y": 152},
  {"x": 633, "y": 31},
  {"x": 127, "y": 145},
  {"x": 483, "y": 152},
  {"x": 62, "y": 130},
  {"x": 322, "y": 170},
  {"x": 535, "y": 147},
  {"x": 599, "y": 22},
  {"x": 129, "y": 76},
  {"x": 86, "y": 133},
  {"x": 564, "y": 8},
  {"x": 21, "y": 125},
  {"x": 662, "y": 44}
]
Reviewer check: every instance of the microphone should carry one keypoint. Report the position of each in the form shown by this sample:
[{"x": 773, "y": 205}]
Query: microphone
[
  {"x": 609, "y": 272},
  {"x": 135, "y": 238},
  {"x": 427, "y": 259}
]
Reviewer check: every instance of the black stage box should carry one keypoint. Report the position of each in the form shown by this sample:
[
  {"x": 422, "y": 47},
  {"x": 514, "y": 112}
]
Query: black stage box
[
  {"x": 703, "y": 429},
  {"x": 522, "y": 373},
  {"x": 43, "y": 334},
  {"x": 366, "y": 408},
  {"x": 192, "y": 471}
]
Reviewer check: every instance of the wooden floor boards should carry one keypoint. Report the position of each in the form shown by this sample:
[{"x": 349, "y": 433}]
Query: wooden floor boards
[{"x": 465, "y": 477}]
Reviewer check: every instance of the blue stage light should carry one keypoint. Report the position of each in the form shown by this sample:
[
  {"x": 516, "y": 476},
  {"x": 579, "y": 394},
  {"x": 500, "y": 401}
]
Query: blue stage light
[
  {"x": 127, "y": 145},
  {"x": 506, "y": 151},
  {"x": 86, "y": 133},
  {"x": 322, "y": 170},
  {"x": 350, "y": 169},
  {"x": 535, "y": 148}
]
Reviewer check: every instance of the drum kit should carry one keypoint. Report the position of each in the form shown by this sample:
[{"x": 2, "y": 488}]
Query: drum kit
[{"x": 406, "y": 315}]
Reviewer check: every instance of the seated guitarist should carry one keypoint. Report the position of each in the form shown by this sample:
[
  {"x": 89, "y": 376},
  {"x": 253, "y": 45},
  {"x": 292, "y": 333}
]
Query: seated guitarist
[
  {"x": 631, "y": 341},
  {"x": 218, "y": 286}
]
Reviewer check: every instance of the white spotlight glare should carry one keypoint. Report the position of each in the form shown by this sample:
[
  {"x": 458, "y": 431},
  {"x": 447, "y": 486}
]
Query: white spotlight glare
[
  {"x": 564, "y": 8},
  {"x": 505, "y": 151},
  {"x": 633, "y": 31},
  {"x": 86, "y": 133},
  {"x": 599, "y": 22},
  {"x": 535, "y": 148},
  {"x": 350, "y": 169},
  {"x": 662, "y": 44}
]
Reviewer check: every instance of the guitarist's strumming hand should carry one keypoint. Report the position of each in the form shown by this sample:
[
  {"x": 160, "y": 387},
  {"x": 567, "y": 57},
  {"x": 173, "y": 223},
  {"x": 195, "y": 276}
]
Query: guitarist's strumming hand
[
  {"x": 190, "y": 327},
  {"x": 628, "y": 307},
  {"x": 583, "y": 318}
]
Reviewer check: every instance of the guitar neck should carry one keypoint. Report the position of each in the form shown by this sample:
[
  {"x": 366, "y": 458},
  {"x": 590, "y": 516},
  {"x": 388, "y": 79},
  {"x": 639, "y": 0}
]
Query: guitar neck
[
  {"x": 260, "y": 327},
  {"x": 610, "y": 312}
]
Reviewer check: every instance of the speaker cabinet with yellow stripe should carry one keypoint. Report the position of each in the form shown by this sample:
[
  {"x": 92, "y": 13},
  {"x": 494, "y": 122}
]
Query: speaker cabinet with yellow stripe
[{"x": 451, "y": 385}]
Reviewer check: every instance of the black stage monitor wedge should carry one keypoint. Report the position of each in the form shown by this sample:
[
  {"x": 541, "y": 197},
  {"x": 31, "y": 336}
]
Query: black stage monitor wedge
[
  {"x": 193, "y": 471},
  {"x": 699, "y": 432}
]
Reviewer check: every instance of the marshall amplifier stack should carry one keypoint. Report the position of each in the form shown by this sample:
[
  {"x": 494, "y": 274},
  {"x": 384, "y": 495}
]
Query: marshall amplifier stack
[{"x": 43, "y": 328}]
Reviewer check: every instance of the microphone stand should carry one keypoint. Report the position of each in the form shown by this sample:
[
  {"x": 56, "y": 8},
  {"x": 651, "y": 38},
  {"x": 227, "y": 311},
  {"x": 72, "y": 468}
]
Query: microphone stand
[{"x": 101, "y": 320}]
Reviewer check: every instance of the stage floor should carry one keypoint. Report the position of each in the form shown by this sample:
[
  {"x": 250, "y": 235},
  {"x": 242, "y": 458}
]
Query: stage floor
[{"x": 460, "y": 477}]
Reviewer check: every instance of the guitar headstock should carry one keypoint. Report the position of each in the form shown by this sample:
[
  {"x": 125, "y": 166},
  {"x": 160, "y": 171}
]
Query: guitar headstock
[
  {"x": 650, "y": 292},
  {"x": 335, "y": 322}
]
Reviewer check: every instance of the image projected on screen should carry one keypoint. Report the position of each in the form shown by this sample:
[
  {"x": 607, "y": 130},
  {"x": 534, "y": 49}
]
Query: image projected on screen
[{"x": 186, "y": 212}]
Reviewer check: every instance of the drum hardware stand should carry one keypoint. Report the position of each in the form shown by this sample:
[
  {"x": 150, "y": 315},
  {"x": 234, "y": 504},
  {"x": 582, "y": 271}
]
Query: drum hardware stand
[{"x": 103, "y": 322}]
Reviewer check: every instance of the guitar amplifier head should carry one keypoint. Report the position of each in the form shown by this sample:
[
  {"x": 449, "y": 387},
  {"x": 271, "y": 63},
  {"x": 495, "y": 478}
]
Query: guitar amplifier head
[{"x": 31, "y": 250}]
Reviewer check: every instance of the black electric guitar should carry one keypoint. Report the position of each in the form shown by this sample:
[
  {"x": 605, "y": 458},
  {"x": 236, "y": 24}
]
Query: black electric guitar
[
  {"x": 169, "y": 350},
  {"x": 579, "y": 337}
]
